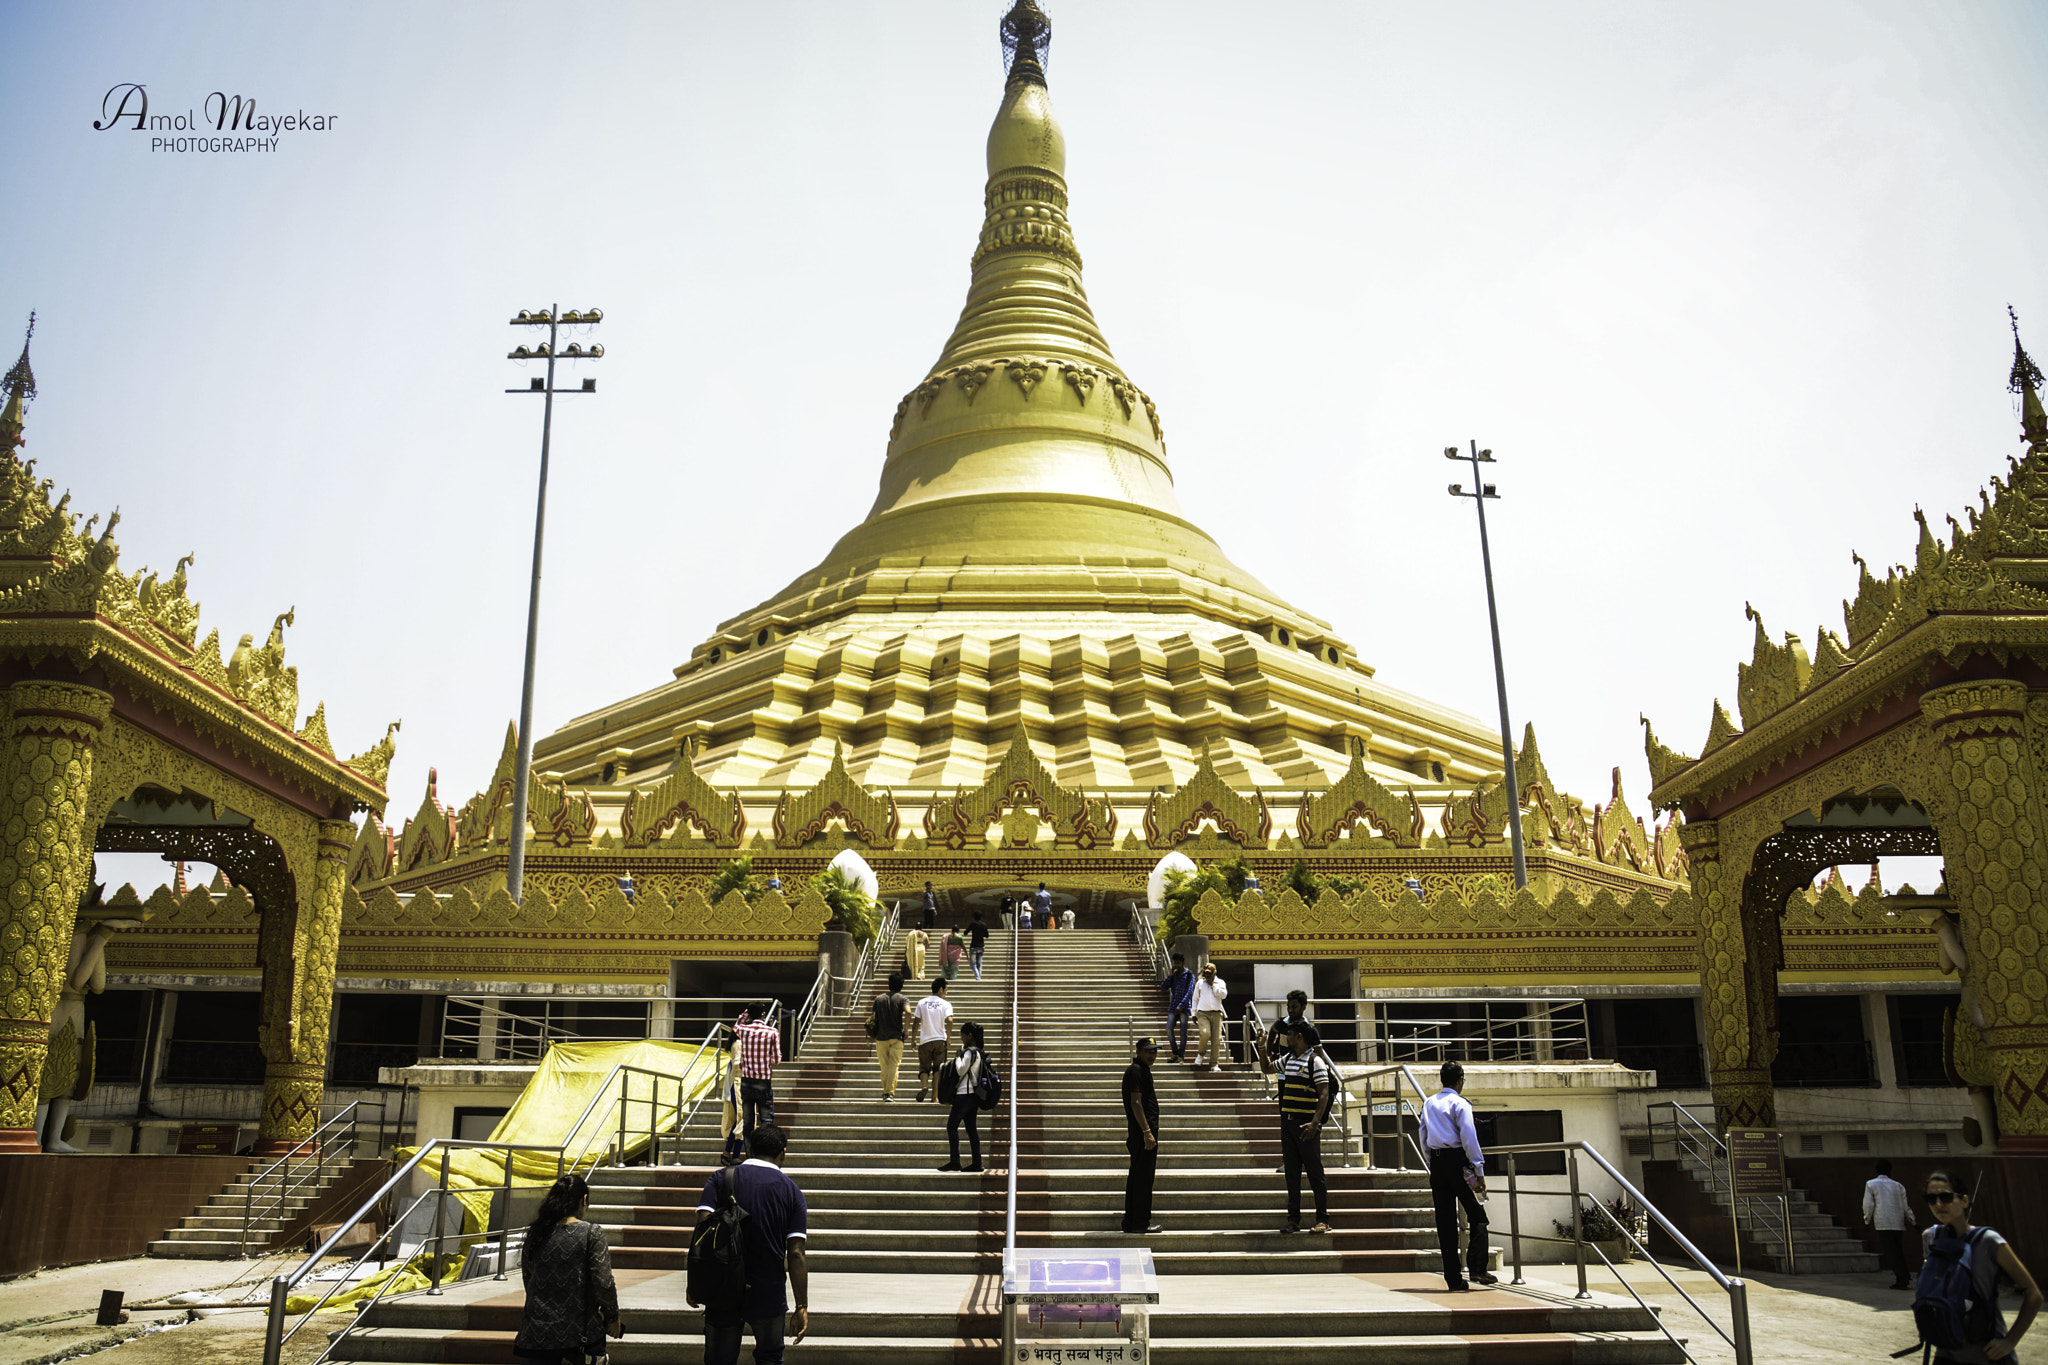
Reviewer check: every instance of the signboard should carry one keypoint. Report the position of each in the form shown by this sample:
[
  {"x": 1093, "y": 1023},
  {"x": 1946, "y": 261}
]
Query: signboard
[
  {"x": 1756, "y": 1161},
  {"x": 1075, "y": 1353},
  {"x": 208, "y": 1139}
]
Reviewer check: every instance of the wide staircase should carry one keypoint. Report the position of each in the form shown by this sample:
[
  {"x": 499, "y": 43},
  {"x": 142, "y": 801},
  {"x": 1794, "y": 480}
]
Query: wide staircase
[{"x": 906, "y": 1260}]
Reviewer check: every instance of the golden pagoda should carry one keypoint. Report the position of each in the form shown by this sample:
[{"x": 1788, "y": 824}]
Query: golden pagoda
[{"x": 1025, "y": 561}]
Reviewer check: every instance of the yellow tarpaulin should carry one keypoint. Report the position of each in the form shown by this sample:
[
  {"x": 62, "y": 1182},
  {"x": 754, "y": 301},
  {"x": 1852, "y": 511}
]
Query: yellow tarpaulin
[{"x": 570, "y": 1076}]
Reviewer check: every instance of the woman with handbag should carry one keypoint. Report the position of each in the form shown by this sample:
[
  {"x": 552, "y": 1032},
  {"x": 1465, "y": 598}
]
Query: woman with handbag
[{"x": 571, "y": 1301}]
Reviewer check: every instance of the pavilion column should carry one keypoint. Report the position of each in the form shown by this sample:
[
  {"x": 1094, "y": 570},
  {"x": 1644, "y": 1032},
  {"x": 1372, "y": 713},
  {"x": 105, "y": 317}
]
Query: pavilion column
[
  {"x": 46, "y": 761},
  {"x": 1995, "y": 853},
  {"x": 298, "y": 996},
  {"x": 1741, "y": 1039}
]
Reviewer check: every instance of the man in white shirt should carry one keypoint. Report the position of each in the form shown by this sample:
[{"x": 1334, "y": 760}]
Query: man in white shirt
[
  {"x": 1888, "y": 1209},
  {"x": 934, "y": 1015},
  {"x": 1067, "y": 918},
  {"x": 1452, "y": 1142},
  {"x": 1210, "y": 993}
]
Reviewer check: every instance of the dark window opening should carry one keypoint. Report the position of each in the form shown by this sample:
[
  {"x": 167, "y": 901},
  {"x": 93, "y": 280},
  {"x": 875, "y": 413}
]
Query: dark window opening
[
  {"x": 1513, "y": 1127},
  {"x": 373, "y": 1031},
  {"x": 120, "y": 1024},
  {"x": 1821, "y": 1042},
  {"x": 1660, "y": 1035},
  {"x": 213, "y": 1039},
  {"x": 1919, "y": 1025}
]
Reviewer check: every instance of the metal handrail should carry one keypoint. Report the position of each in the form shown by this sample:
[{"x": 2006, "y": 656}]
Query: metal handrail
[
  {"x": 1738, "y": 1292},
  {"x": 877, "y": 948},
  {"x": 1551, "y": 1024},
  {"x": 517, "y": 1037},
  {"x": 1148, "y": 939},
  {"x": 683, "y": 1121},
  {"x": 821, "y": 992},
  {"x": 1016, "y": 1047},
  {"x": 1692, "y": 1138},
  {"x": 287, "y": 1182},
  {"x": 274, "y": 1335}
]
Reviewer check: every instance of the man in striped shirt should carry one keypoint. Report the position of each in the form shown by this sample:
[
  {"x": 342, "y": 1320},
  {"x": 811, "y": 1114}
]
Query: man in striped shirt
[
  {"x": 1307, "y": 1083},
  {"x": 760, "y": 1048}
]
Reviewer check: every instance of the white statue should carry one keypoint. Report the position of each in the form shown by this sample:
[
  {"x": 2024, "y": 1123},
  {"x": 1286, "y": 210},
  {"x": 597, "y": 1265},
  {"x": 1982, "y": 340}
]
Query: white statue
[{"x": 68, "y": 1069}]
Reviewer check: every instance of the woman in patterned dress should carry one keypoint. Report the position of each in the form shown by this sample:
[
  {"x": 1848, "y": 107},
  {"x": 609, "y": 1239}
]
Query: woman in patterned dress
[{"x": 571, "y": 1301}]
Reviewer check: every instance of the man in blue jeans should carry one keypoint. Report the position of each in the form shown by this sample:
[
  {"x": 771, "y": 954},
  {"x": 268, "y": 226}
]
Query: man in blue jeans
[
  {"x": 777, "y": 1223},
  {"x": 1179, "y": 988},
  {"x": 977, "y": 943}
]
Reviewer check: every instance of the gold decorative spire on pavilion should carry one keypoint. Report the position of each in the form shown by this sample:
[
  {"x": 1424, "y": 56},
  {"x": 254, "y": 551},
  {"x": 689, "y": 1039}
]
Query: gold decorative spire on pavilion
[
  {"x": 19, "y": 385},
  {"x": 2025, "y": 381}
]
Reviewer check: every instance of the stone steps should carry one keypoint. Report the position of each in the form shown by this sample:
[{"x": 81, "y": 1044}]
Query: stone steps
[{"x": 894, "y": 1245}]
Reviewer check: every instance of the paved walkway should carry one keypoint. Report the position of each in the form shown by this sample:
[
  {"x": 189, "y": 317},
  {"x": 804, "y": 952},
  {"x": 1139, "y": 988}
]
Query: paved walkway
[{"x": 1794, "y": 1319}]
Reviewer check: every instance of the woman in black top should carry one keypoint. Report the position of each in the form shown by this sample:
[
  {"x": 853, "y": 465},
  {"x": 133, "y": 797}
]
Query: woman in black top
[{"x": 571, "y": 1301}]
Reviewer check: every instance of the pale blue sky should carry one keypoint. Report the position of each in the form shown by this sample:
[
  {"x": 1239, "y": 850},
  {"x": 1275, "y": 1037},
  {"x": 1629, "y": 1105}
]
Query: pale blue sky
[{"x": 1722, "y": 285}]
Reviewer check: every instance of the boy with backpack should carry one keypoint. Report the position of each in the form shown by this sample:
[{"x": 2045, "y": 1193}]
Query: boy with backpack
[
  {"x": 885, "y": 1025},
  {"x": 970, "y": 1085},
  {"x": 1955, "y": 1302}
]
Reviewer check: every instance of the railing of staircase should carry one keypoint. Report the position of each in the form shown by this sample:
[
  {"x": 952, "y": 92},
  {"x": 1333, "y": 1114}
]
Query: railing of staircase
[
  {"x": 1737, "y": 1337},
  {"x": 873, "y": 955},
  {"x": 522, "y": 1029},
  {"x": 305, "y": 1165},
  {"x": 818, "y": 1000},
  {"x": 1695, "y": 1144},
  {"x": 1016, "y": 1047},
  {"x": 1148, "y": 940},
  {"x": 275, "y": 1334}
]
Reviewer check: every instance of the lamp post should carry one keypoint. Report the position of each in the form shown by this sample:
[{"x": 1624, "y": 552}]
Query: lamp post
[
  {"x": 1481, "y": 492},
  {"x": 550, "y": 351}
]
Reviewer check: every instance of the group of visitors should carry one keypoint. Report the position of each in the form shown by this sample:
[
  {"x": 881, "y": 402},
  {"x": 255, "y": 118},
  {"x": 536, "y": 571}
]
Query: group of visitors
[
  {"x": 1199, "y": 998},
  {"x": 961, "y": 1083}
]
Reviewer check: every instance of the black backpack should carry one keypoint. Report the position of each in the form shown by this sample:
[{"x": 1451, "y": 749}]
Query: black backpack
[
  {"x": 1946, "y": 1308},
  {"x": 988, "y": 1087},
  {"x": 718, "y": 1260}
]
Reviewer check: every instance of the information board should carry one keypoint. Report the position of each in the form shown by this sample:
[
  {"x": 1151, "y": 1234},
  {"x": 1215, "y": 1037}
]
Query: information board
[{"x": 1756, "y": 1161}]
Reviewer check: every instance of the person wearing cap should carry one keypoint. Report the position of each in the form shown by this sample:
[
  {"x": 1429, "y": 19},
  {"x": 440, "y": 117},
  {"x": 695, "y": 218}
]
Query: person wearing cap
[
  {"x": 1141, "y": 1139},
  {"x": 1307, "y": 1082}
]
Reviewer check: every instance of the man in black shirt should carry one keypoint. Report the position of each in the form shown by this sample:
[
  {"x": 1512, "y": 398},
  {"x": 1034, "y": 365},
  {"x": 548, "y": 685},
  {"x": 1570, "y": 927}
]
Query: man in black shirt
[
  {"x": 1141, "y": 1113},
  {"x": 977, "y": 934}
]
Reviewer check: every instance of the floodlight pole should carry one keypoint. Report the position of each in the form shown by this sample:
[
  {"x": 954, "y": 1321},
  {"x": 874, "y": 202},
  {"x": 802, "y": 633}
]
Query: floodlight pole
[
  {"x": 1481, "y": 491},
  {"x": 552, "y": 319}
]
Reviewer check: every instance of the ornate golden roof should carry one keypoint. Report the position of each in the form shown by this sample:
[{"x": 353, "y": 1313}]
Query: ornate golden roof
[{"x": 1025, "y": 563}]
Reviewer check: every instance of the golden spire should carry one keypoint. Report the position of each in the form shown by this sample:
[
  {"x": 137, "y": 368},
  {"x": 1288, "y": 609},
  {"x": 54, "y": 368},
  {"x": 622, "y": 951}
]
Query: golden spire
[
  {"x": 20, "y": 386},
  {"x": 2026, "y": 382}
]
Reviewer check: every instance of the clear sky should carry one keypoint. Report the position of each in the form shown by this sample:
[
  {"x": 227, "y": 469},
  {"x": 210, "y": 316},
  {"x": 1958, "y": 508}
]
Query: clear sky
[{"x": 1722, "y": 285}]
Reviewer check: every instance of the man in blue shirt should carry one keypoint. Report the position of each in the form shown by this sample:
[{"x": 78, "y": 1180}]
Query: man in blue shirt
[
  {"x": 1179, "y": 987},
  {"x": 931, "y": 907},
  {"x": 1041, "y": 906},
  {"x": 777, "y": 1224}
]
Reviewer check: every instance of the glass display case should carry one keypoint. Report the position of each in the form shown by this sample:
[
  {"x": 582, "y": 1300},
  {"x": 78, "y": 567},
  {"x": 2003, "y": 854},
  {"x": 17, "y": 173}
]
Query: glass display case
[{"x": 1077, "y": 1304}]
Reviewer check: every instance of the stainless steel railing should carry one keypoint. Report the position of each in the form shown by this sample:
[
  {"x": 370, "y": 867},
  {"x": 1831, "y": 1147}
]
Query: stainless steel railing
[
  {"x": 567, "y": 1159},
  {"x": 1148, "y": 941},
  {"x": 523, "y": 1028},
  {"x": 1737, "y": 1336},
  {"x": 304, "y": 1166},
  {"x": 1437, "y": 1030},
  {"x": 1698, "y": 1146}
]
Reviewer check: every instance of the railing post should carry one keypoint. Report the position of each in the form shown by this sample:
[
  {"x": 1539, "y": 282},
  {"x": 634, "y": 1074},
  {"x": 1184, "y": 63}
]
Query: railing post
[
  {"x": 1791, "y": 1255},
  {"x": 1738, "y": 1308},
  {"x": 1514, "y": 1221},
  {"x": 440, "y": 1216},
  {"x": 505, "y": 1220},
  {"x": 273, "y": 1329},
  {"x": 1578, "y": 1226}
]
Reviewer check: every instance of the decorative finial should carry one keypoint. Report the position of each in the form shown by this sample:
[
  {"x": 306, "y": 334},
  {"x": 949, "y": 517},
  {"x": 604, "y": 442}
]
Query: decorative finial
[
  {"x": 21, "y": 381},
  {"x": 2026, "y": 375},
  {"x": 1027, "y": 33}
]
